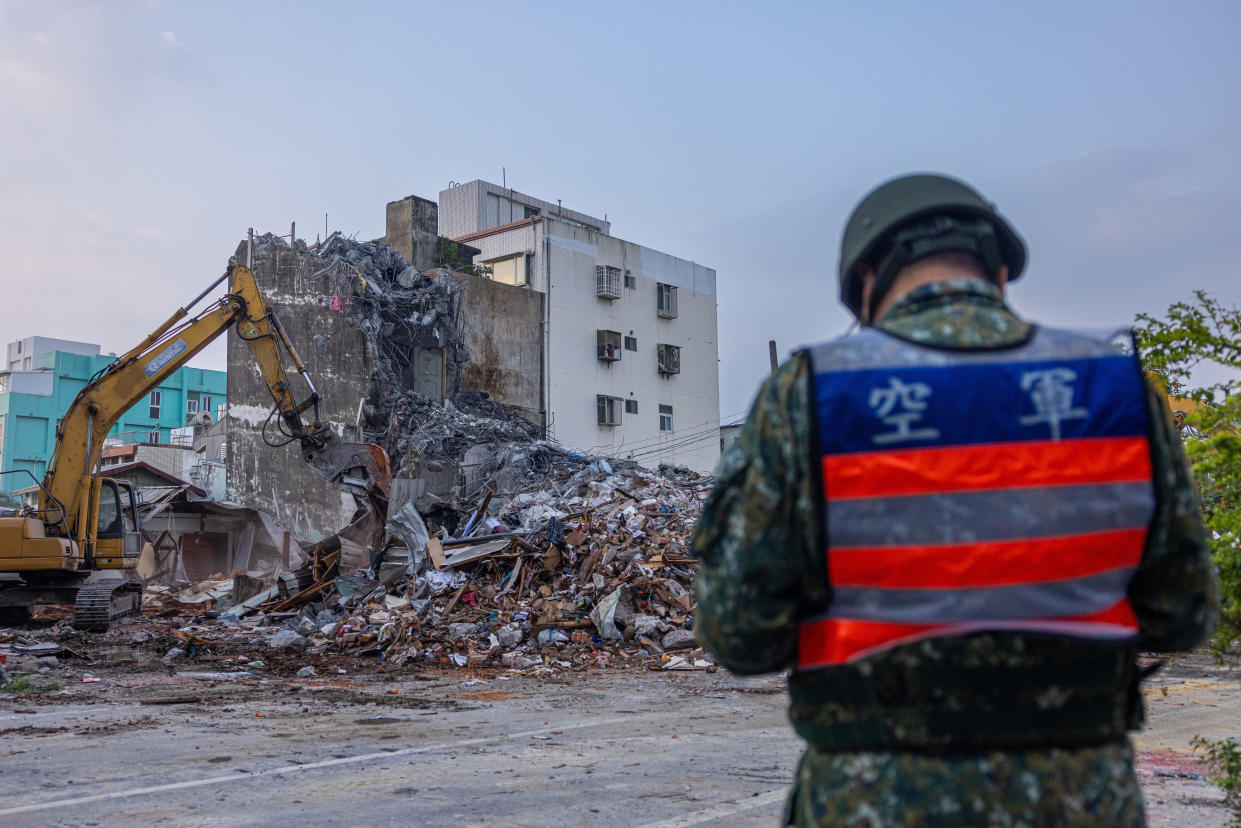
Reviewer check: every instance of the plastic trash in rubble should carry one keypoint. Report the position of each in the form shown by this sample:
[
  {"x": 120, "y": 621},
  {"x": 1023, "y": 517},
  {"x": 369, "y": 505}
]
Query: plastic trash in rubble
[
  {"x": 306, "y": 672},
  {"x": 553, "y": 637}
]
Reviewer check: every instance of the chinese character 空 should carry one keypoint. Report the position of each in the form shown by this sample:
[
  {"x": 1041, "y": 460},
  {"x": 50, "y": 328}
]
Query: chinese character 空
[{"x": 901, "y": 404}]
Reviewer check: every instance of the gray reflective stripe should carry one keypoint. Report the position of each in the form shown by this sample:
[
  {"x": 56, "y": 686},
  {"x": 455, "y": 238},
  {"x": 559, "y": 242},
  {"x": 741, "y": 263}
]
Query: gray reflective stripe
[
  {"x": 989, "y": 515},
  {"x": 870, "y": 348},
  {"x": 1080, "y": 596}
]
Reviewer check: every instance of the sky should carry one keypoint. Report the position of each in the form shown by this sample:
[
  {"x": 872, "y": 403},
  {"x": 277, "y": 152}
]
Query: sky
[{"x": 139, "y": 140}]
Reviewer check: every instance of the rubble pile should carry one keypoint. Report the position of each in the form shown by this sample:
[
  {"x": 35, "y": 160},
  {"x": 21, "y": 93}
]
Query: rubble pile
[
  {"x": 584, "y": 571},
  {"x": 400, "y": 311},
  {"x": 533, "y": 558}
]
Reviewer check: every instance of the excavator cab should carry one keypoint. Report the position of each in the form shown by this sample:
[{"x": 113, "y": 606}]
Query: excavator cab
[{"x": 118, "y": 526}]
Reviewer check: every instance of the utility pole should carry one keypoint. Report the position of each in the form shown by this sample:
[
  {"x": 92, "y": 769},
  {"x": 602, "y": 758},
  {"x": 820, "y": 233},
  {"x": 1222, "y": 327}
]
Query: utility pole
[{"x": 771, "y": 350}]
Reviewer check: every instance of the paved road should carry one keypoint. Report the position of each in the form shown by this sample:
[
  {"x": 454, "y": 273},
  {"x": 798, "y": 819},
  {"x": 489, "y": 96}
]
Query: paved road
[
  {"x": 667, "y": 750},
  {"x": 615, "y": 749}
]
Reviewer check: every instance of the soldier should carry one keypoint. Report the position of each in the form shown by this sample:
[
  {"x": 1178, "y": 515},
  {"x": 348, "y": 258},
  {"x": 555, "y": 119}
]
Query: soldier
[{"x": 958, "y": 529}]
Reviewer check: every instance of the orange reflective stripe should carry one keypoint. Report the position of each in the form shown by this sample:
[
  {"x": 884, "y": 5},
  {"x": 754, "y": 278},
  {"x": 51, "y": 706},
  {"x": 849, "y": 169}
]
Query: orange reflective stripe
[
  {"x": 1121, "y": 614},
  {"x": 830, "y": 641},
  {"x": 981, "y": 564},
  {"x": 986, "y": 466},
  {"x": 835, "y": 640}
]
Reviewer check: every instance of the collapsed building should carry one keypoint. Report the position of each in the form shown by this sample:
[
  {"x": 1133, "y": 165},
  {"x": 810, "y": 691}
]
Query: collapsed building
[
  {"x": 389, "y": 349},
  {"x": 497, "y": 547}
]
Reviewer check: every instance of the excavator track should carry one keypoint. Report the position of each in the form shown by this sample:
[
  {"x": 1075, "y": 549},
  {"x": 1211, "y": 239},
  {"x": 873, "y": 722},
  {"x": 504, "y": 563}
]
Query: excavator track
[{"x": 98, "y": 605}]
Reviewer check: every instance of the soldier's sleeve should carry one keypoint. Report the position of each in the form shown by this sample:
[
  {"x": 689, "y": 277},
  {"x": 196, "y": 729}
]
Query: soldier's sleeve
[
  {"x": 755, "y": 538},
  {"x": 1175, "y": 592}
]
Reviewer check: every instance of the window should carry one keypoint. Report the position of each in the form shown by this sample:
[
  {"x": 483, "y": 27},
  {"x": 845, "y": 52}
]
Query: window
[
  {"x": 669, "y": 359},
  {"x": 631, "y": 343},
  {"x": 206, "y": 405},
  {"x": 630, "y": 281},
  {"x": 607, "y": 282},
  {"x": 510, "y": 271},
  {"x": 631, "y": 406},
  {"x": 153, "y": 436},
  {"x": 609, "y": 345},
  {"x": 667, "y": 301},
  {"x": 109, "y": 514},
  {"x": 665, "y": 418},
  {"x": 19, "y": 346},
  {"x": 26, "y": 364},
  {"x": 4, "y": 384},
  {"x": 609, "y": 410},
  {"x": 191, "y": 406},
  {"x": 155, "y": 400}
]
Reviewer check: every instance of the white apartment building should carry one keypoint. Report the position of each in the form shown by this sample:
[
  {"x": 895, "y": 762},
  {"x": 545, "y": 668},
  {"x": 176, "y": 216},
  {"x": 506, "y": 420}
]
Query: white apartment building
[
  {"x": 22, "y": 353},
  {"x": 630, "y": 343}
]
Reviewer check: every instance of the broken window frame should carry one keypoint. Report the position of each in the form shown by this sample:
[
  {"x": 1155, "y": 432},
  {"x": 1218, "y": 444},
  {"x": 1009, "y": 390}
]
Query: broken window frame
[
  {"x": 608, "y": 410},
  {"x": 668, "y": 359},
  {"x": 665, "y": 418},
  {"x": 631, "y": 282}
]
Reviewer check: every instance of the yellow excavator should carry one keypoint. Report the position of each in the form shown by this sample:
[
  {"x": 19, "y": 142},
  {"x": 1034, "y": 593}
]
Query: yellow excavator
[{"x": 85, "y": 522}]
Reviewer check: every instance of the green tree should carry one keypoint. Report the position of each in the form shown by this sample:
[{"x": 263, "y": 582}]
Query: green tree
[{"x": 1196, "y": 350}]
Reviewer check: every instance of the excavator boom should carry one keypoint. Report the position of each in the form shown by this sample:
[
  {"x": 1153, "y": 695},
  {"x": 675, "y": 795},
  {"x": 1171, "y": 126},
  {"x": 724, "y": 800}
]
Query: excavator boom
[{"x": 78, "y": 526}]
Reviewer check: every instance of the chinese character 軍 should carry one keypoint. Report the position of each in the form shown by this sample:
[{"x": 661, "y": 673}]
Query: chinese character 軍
[
  {"x": 900, "y": 405},
  {"x": 1051, "y": 391}
]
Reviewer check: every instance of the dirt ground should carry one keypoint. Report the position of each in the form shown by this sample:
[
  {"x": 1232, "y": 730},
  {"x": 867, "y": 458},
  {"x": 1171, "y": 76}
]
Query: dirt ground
[{"x": 217, "y": 742}]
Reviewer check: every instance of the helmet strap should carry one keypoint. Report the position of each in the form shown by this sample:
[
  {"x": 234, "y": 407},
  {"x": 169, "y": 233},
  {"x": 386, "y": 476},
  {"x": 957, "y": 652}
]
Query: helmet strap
[{"x": 941, "y": 234}]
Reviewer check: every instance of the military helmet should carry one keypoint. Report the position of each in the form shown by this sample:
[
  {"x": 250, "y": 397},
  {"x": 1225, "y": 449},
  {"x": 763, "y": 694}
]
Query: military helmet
[{"x": 906, "y": 200}]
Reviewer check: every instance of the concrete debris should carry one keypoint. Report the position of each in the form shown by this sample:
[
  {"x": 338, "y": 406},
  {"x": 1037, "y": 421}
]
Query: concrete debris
[
  {"x": 498, "y": 548},
  {"x": 585, "y": 569}
]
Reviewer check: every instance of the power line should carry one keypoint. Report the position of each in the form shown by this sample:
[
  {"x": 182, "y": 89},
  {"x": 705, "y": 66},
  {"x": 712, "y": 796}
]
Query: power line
[{"x": 696, "y": 429}]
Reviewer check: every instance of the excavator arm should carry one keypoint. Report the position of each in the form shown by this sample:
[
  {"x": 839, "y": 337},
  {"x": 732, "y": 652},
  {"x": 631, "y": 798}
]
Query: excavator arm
[{"x": 65, "y": 499}]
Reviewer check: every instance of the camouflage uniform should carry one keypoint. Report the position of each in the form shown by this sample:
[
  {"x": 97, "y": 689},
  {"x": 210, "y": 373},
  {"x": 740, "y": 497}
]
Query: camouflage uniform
[{"x": 762, "y": 571}]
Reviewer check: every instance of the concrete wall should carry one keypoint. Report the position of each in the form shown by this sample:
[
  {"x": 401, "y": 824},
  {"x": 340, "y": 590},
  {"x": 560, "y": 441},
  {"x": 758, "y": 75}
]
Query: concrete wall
[
  {"x": 337, "y": 356},
  {"x": 480, "y": 205},
  {"x": 576, "y": 375},
  {"x": 27, "y": 382},
  {"x": 504, "y": 335},
  {"x": 174, "y": 460},
  {"x": 526, "y": 237},
  {"x": 565, "y": 256},
  {"x": 22, "y": 353},
  {"x": 412, "y": 228}
]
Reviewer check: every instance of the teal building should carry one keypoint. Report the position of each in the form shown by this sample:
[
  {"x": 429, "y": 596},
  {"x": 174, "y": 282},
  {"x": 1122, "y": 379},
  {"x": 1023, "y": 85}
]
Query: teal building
[{"x": 41, "y": 384}]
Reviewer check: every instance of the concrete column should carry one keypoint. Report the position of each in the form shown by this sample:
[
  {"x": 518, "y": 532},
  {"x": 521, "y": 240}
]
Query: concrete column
[{"x": 413, "y": 229}]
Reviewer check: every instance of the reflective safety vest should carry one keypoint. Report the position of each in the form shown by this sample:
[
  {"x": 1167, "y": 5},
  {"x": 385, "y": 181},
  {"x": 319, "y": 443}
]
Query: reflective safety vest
[{"x": 977, "y": 490}]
